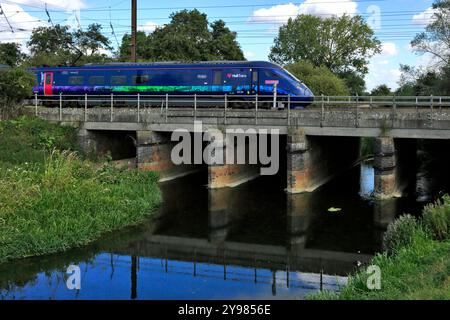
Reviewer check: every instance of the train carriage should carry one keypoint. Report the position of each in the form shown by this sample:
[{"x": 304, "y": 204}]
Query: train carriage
[{"x": 243, "y": 79}]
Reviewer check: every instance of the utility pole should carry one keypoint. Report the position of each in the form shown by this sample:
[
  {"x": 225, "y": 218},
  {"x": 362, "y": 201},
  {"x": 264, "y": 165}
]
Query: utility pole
[{"x": 133, "y": 30}]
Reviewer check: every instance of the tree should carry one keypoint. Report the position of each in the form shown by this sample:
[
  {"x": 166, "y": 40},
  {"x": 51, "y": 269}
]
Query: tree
[
  {"x": 91, "y": 41},
  {"x": 10, "y": 54},
  {"x": 57, "y": 45},
  {"x": 319, "y": 79},
  {"x": 354, "y": 82},
  {"x": 15, "y": 85},
  {"x": 435, "y": 40},
  {"x": 224, "y": 45},
  {"x": 342, "y": 44},
  {"x": 142, "y": 49},
  {"x": 382, "y": 91},
  {"x": 188, "y": 37}
]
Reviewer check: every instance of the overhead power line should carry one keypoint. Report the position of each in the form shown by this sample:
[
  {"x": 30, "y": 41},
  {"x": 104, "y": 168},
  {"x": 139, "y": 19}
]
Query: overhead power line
[{"x": 6, "y": 18}]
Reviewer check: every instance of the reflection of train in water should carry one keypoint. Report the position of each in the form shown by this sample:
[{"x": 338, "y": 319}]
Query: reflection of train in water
[{"x": 174, "y": 78}]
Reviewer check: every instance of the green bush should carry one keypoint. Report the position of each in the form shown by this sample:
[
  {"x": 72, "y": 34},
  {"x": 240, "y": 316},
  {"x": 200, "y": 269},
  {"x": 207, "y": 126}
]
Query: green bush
[
  {"x": 29, "y": 139},
  {"x": 399, "y": 233},
  {"x": 319, "y": 79},
  {"x": 436, "y": 218},
  {"x": 15, "y": 85}
]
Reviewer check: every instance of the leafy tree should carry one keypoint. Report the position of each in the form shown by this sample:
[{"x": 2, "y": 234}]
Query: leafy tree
[
  {"x": 319, "y": 79},
  {"x": 15, "y": 85},
  {"x": 188, "y": 37},
  {"x": 142, "y": 47},
  {"x": 91, "y": 41},
  {"x": 354, "y": 82},
  {"x": 381, "y": 90},
  {"x": 57, "y": 45},
  {"x": 10, "y": 54},
  {"x": 224, "y": 45},
  {"x": 435, "y": 40},
  {"x": 343, "y": 44},
  {"x": 50, "y": 40}
]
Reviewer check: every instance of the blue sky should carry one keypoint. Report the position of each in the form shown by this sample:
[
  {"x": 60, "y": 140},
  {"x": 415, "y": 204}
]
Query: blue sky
[{"x": 256, "y": 22}]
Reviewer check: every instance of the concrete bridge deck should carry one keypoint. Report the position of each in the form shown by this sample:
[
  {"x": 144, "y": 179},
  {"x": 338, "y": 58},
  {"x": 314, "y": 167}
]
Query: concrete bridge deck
[
  {"x": 321, "y": 139},
  {"x": 425, "y": 123}
]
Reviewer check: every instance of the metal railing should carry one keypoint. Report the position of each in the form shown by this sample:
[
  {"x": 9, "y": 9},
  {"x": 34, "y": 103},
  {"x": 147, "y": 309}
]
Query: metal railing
[{"x": 166, "y": 108}]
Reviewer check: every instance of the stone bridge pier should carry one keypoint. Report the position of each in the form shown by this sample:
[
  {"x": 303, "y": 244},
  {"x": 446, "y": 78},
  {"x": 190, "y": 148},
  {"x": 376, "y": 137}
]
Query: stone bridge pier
[
  {"x": 312, "y": 161},
  {"x": 395, "y": 166}
]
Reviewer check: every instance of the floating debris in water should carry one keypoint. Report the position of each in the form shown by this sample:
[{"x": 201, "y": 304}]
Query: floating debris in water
[{"x": 334, "y": 210}]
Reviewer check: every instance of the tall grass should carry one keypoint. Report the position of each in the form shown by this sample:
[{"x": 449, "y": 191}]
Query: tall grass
[{"x": 51, "y": 201}]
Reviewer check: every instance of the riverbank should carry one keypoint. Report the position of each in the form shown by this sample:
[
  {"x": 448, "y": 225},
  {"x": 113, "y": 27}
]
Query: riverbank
[
  {"x": 52, "y": 200},
  {"x": 415, "y": 264}
]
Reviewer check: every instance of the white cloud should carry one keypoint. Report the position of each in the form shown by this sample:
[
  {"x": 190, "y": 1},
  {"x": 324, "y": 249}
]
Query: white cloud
[
  {"x": 21, "y": 22},
  {"x": 279, "y": 14},
  {"x": 424, "y": 18},
  {"x": 249, "y": 55},
  {"x": 389, "y": 49},
  {"x": 320, "y": 7},
  {"x": 68, "y": 5},
  {"x": 148, "y": 27},
  {"x": 381, "y": 72}
]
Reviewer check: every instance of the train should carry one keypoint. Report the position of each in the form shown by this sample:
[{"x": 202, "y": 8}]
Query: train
[{"x": 243, "y": 79}]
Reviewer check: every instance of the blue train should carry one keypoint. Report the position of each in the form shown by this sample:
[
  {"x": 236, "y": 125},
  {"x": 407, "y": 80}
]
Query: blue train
[{"x": 239, "y": 78}]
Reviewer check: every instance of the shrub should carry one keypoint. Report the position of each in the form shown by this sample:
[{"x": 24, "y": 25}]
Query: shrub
[
  {"x": 436, "y": 218},
  {"x": 15, "y": 84},
  {"x": 399, "y": 233},
  {"x": 319, "y": 79}
]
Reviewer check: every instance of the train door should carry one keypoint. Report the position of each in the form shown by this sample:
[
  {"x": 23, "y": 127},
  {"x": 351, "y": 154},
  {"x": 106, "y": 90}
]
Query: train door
[
  {"x": 217, "y": 81},
  {"x": 48, "y": 83},
  {"x": 254, "y": 81}
]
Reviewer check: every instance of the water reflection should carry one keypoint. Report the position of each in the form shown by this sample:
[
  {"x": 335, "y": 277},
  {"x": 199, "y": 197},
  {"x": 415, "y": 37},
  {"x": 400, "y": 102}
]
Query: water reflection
[{"x": 254, "y": 241}]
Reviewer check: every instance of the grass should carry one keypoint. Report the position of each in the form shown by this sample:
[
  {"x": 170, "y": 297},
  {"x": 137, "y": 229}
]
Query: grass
[
  {"x": 51, "y": 201},
  {"x": 416, "y": 269}
]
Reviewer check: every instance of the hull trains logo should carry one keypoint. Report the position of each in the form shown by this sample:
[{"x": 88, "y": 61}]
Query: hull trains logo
[{"x": 236, "y": 75}]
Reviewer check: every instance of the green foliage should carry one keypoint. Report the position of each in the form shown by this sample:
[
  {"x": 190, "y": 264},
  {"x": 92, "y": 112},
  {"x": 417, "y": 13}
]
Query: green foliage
[
  {"x": 319, "y": 79},
  {"x": 51, "y": 201},
  {"x": 188, "y": 37},
  {"x": 436, "y": 218},
  {"x": 399, "y": 234},
  {"x": 417, "y": 271},
  {"x": 382, "y": 91},
  {"x": 354, "y": 82},
  {"x": 57, "y": 45},
  {"x": 15, "y": 85},
  {"x": 10, "y": 54},
  {"x": 414, "y": 266},
  {"x": 68, "y": 203},
  {"x": 343, "y": 44},
  {"x": 28, "y": 139}
]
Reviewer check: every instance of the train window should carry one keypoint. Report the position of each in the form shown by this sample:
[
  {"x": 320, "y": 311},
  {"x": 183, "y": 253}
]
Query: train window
[
  {"x": 96, "y": 80},
  {"x": 217, "y": 77},
  {"x": 118, "y": 80},
  {"x": 141, "y": 79},
  {"x": 76, "y": 80},
  {"x": 255, "y": 76},
  {"x": 270, "y": 74},
  {"x": 48, "y": 79}
]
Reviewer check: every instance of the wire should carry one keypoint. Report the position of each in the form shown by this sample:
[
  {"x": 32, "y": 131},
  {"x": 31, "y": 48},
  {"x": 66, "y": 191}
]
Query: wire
[{"x": 6, "y": 18}]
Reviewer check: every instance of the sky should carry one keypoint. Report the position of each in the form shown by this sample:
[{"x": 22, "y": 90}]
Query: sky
[{"x": 256, "y": 22}]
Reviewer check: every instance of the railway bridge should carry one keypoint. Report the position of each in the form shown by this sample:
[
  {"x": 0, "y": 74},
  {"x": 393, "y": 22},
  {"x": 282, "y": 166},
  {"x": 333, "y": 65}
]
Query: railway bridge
[{"x": 316, "y": 143}]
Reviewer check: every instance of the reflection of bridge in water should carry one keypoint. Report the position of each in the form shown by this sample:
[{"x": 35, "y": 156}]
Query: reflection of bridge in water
[{"x": 220, "y": 255}]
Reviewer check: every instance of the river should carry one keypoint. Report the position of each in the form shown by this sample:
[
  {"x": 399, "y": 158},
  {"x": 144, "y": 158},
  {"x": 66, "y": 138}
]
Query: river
[{"x": 250, "y": 242}]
